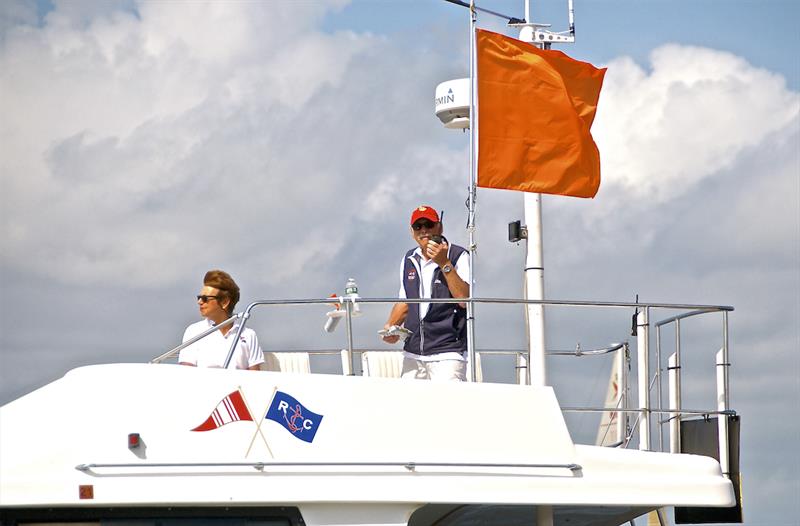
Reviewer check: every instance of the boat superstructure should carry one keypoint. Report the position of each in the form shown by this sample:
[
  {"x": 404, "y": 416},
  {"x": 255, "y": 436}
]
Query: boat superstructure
[{"x": 155, "y": 442}]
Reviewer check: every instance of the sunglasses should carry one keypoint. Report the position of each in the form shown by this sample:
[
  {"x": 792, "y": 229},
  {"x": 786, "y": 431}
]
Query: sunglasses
[
  {"x": 419, "y": 225},
  {"x": 204, "y": 299}
]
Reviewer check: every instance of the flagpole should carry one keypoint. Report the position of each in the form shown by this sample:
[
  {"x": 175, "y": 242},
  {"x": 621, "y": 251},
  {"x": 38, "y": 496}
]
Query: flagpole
[{"x": 471, "y": 199}]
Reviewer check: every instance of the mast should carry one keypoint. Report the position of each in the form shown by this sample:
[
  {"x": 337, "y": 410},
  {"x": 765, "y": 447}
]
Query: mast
[
  {"x": 452, "y": 116},
  {"x": 534, "y": 262},
  {"x": 538, "y": 35}
]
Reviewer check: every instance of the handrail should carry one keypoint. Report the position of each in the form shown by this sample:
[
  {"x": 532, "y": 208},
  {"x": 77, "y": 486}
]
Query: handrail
[
  {"x": 261, "y": 466},
  {"x": 589, "y": 352},
  {"x": 728, "y": 412},
  {"x": 645, "y": 408},
  {"x": 685, "y": 315},
  {"x": 190, "y": 341}
]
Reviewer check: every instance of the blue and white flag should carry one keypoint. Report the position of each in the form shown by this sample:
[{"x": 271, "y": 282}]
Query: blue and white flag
[{"x": 294, "y": 416}]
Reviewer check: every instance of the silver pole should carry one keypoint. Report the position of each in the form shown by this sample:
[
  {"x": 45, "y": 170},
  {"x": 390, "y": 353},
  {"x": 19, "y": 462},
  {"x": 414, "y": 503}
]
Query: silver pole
[
  {"x": 349, "y": 304},
  {"x": 245, "y": 315},
  {"x": 471, "y": 373},
  {"x": 643, "y": 324},
  {"x": 620, "y": 416},
  {"x": 674, "y": 375},
  {"x": 658, "y": 393},
  {"x": 723, "y": 401},
  {"x": 625, "y": 387}
]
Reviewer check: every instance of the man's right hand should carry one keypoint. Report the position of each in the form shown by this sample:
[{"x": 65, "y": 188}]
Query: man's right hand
[{"x": 390, "y": 339}]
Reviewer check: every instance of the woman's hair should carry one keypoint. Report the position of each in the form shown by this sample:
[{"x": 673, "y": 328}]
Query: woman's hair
[{"x": 228, "y": 288}]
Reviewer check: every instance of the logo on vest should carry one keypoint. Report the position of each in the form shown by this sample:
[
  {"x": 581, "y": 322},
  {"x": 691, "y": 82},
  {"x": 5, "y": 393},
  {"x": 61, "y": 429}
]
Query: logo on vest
[{"x": 412, "y": 274}]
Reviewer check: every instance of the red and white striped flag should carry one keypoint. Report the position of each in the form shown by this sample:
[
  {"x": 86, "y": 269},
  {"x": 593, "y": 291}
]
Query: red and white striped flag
[{"x": 231, "y": 409}]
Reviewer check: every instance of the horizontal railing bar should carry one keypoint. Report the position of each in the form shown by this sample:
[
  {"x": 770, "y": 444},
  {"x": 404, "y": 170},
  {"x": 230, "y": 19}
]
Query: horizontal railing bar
[
  {"x": 589, "y": 352},
  {"x": 326, "y": 352},
  {"x": 681, "y": 317},
  {"x": 729, "y": 412},
  {"x": 518, "y": 301},
  {"x": 263, "y": 465}
]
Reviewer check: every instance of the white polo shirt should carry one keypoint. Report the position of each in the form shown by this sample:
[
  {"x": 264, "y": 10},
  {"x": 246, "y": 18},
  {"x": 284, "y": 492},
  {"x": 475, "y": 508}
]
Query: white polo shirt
[
  {"x": 425, "y": 269},
  {"x": 212, "y": 350}
]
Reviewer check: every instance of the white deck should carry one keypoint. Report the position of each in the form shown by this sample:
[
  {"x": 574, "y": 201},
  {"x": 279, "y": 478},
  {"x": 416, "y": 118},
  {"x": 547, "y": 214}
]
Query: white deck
[{"x": 505, "y": 446}]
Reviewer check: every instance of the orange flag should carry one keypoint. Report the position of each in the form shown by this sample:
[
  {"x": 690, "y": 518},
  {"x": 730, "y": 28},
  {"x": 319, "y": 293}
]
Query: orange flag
[{"x": 535, "y": 110}]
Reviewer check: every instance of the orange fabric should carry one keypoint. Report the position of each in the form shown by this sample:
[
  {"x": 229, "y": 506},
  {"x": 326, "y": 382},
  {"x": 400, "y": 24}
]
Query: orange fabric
[{"x": 535, "y": 110}]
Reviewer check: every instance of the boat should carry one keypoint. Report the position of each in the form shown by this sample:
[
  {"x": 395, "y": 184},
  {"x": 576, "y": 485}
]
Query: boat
[
  {"x": 159, "y": 443},
  {"x": 107, "y": 444}
]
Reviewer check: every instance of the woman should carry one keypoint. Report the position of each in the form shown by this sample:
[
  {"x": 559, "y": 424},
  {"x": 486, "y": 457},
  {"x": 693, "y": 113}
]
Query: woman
[{"x": 216, "y": 301}]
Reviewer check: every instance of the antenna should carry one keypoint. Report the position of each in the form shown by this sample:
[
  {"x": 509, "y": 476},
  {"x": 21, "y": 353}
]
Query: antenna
[
  {"x": 536, "y": 33},
  {"x": 487, "y": 11}
]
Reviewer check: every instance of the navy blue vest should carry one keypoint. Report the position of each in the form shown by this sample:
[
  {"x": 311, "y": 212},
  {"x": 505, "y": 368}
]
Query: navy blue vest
[{"x": 444, "y": 328}]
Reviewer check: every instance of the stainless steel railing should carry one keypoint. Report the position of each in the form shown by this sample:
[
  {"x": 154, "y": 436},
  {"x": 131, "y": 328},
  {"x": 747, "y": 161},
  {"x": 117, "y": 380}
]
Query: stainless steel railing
[{"x": 648, "y": 378}]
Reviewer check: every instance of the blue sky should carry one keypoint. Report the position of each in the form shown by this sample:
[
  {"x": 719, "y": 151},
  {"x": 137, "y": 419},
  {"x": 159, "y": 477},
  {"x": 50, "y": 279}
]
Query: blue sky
[
  {"x": 144, "y": 143},
  {"x": 765, "y": 32}
]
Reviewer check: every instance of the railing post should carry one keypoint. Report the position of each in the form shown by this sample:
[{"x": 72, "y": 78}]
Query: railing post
[
  {"x": 522, "y": 368},
  {"x": 348, "y": 302},
  {"x": 244, "y": 316},
  {"x": 722, "y": 405},
  {"x": 643, "y": 373},
  {"x": 659, "y": 388},
  {"x": 622, "y": 374},
  {"x": 347, "y": 363},
  {"x": 723, "y": 397},
  {"x": 626, "y": 392},
  {"x": 674, "y": 368}
]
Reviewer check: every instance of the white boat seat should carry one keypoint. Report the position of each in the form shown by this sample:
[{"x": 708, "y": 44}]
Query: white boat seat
[
  {"x": 389, "y": 364},
  {"x": 287, "y": 362},
  {"x": 382, "y": 364}
]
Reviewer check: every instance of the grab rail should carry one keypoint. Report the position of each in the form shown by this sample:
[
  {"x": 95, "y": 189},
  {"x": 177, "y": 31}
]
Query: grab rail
[
  {"x": 643, "y": 323},
  {"x": 261, "y": 466}
]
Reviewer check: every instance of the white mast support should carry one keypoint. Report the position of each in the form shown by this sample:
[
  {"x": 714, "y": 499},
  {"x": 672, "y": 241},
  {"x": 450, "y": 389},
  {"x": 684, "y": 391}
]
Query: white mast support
[
  {"x": 674, "y": 368},
  {"x": 471, "y": 373},
  {"x": 534, "y": 289},
  {"x": 643, "y": 375},
  {"x": 534, "y": 263}
]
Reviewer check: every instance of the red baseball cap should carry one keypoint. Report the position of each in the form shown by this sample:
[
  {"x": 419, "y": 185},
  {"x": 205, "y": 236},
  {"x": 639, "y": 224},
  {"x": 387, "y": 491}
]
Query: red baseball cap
[{"x": 424, "y": 212}]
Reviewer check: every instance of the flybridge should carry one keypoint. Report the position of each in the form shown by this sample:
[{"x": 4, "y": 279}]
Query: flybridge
[{"x": 365, "y": 462}]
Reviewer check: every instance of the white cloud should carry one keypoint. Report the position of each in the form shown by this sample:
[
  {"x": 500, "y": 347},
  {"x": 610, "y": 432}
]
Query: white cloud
[
  {"x": 162, "y": 127},
  {"x": 691, "y": 115}
]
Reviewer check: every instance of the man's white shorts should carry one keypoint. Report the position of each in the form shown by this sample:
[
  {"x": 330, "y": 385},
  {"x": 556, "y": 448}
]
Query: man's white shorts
[{"x": 434, "y": 370}]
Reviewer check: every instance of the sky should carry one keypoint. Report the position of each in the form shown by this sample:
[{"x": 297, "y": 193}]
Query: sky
[{"x": 143, "y": 143}]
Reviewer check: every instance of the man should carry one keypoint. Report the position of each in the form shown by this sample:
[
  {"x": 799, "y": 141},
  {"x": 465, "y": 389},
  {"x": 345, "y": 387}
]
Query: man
[
  {"x": 216, "y": 301},
  {"x": 436, "y": 348}
]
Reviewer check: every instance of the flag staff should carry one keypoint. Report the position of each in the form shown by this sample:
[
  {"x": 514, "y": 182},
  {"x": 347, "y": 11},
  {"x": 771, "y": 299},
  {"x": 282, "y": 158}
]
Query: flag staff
[{"x": 471, "y": 373}]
